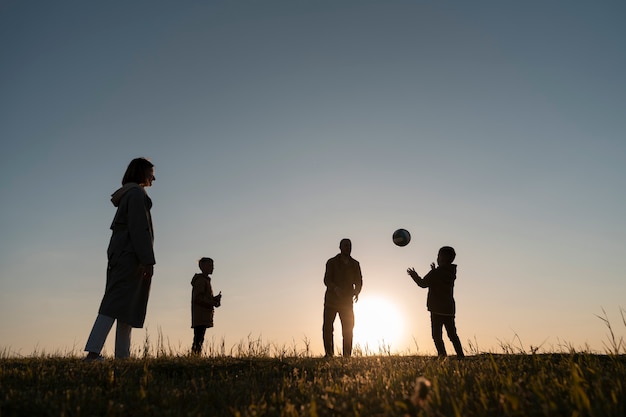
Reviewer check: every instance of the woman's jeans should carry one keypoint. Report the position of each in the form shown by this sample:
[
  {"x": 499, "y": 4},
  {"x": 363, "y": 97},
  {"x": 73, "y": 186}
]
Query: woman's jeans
[{"x": 100, "y": 331}]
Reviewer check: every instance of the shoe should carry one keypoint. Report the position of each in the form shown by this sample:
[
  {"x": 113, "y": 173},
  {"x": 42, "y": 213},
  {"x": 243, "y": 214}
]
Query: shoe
[{"x": 93, "y": 358}]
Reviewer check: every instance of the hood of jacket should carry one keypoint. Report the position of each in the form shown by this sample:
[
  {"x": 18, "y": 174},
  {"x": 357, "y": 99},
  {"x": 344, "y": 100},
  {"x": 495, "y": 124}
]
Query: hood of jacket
[
  {"x": 116, "y": 197},
  {"x": 448, "y": 272},
  {"x": 450, "y": 268},
  {"x": 198, "y": 277}
]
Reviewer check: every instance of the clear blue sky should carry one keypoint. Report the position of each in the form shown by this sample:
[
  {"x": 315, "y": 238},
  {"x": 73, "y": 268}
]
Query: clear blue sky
[{"x": 279, "y": 127}]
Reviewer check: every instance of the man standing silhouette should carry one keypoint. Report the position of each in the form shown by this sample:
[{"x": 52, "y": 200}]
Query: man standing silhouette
[{"x": 343, "y": 282}]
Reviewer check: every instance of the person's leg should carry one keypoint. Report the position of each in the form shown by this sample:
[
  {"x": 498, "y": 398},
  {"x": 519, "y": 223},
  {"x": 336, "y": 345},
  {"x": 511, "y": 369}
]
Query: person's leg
[
  {"x": 198, "y": 339},
  {"x": 437, "y": 332},
  {"x": 194, "y": 348},
  {"x": 328, "y": 328},
  {"x": 454, "y": 338},
  {"x": 346, "y": 315},
  {"x": 97, "y": 337},
  {"x": 122, "y": 340}
]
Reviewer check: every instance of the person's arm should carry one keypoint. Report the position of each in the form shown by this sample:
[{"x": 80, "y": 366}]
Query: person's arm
[
  {"x": 358, "y": 285},
  {"x": 147, "y": 271},
  {"x": 199, "y": 299},
  {"x": 201, "y": 303},
  {"x": 329, "y": 279},
  {"x": 421, "y": 282},
  {"x": 217, "y": 300},
  {"x": 140, "y": 232}
]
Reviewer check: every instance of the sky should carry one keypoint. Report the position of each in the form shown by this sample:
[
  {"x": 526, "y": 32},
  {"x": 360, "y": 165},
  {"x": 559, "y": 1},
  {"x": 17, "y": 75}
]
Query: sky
[{"x": 277, "y": 128}]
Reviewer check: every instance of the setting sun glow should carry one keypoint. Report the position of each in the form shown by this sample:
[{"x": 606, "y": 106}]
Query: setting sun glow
[{"x": 378, "y": 324}]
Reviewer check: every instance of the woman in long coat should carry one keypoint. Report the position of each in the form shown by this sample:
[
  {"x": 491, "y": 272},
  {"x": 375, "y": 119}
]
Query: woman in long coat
[{"x": 130, "y": 263}]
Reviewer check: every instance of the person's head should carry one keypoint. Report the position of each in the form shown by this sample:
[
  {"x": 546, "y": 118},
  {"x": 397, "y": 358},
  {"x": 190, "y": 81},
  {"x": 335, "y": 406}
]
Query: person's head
[
  {"x": 446, "y": 255},
  {"x": 140, "y": 171},
  {"x": 345, "y": 247},
  {"x": 206, "y": 265}
]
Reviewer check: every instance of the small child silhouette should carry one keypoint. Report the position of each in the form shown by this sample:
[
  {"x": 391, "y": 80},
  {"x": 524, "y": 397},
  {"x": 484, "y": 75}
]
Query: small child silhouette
[
  {"x": 440, "y": 302},
  {"x": 203, "y": 303}
]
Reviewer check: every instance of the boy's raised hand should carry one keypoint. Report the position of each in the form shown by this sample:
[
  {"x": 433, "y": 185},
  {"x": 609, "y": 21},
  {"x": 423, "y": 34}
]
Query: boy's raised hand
[
  {"x": 433, "y": 266},
  {"x": 412, "y": 273}
]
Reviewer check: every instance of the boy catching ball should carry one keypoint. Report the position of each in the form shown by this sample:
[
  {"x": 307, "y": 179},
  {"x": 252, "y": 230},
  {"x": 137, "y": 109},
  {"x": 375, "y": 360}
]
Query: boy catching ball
[{"x": 440, "y": 302}]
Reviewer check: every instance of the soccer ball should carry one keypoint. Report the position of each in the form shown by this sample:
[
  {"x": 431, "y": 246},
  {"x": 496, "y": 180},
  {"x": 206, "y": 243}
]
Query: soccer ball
[{"x": 401, "y": 237}]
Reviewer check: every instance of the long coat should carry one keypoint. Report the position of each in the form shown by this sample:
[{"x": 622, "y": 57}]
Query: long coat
[
  {"x": 202, "y": 301},
  {"x": 126, "y": 294}
]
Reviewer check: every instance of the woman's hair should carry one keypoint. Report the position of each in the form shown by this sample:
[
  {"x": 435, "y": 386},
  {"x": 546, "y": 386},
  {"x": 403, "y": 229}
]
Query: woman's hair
[{"x": 138, "y": 171}]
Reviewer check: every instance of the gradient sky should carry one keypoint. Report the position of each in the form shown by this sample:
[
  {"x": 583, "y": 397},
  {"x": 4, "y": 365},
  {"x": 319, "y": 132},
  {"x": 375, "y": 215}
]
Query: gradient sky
[{"x": 279, "y": 127}]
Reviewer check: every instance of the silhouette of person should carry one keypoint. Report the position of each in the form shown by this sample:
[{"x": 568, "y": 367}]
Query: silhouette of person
[
  {"x": 203, "y": 303},
  {"x": 440, "y": 301},
  {"x": 130, "y": 263},
  {"x": 343, "y": 282}
]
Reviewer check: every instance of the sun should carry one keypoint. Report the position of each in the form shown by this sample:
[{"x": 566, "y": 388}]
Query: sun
[{"x": 378, "y": 324}]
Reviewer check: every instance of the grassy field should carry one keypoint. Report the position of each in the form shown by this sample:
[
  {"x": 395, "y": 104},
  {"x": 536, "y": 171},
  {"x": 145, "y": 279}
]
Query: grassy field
[{"x": 565, "y": 384}]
